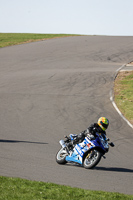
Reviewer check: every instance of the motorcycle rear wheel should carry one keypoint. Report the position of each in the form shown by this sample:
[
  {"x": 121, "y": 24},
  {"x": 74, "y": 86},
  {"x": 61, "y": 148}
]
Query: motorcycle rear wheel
[
  {"x": 92, "y": 159},
  {"x": 60, "y": 156}
]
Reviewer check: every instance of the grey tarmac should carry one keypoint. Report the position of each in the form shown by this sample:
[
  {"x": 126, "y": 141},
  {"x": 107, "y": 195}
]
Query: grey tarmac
[{"x": 52, "y": 88}]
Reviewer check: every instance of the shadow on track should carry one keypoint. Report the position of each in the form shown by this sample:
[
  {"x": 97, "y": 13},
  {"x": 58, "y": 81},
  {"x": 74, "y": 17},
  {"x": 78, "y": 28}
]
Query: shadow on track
[
  {"x": 114, "y": 169},
  {"x": 17, "y": 141},
  {"x": 111, "y": 169}
]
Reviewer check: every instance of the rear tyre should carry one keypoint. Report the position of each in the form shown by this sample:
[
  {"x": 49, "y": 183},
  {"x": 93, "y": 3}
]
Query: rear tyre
[
  {"x": 61, "y": 156},
  {"x": 92, "y": 159}
]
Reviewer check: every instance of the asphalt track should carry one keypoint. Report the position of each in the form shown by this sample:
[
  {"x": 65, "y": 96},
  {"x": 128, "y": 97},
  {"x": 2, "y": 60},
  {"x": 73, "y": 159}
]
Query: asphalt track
[{"x": 51, "y": 88}]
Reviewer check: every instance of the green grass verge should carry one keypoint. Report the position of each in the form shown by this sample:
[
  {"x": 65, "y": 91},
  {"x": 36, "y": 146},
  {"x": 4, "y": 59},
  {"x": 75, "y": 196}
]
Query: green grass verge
[
  {"x": 16, "y": 188},
  {"x": 124, "y": 94},
  {"x": 8, "y": 39}
]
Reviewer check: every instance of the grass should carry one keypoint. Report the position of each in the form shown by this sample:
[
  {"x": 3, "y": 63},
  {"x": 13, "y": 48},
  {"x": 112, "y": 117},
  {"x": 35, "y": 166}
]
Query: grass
[
  {"x": 9, "y": 39},
  {"x": 124, "y": 93},
  {"x": 16, "y": 188}
]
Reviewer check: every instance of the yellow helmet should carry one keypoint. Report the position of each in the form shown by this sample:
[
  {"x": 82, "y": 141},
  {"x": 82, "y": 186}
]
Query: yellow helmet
[{"x": 103, "y": 122}]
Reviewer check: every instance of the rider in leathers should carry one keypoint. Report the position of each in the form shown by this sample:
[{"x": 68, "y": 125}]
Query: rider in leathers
[{"x": 91, "y": 131}]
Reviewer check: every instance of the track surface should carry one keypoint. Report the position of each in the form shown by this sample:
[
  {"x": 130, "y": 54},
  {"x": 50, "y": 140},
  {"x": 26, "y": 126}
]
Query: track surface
[{"x": 52, "y": 88}]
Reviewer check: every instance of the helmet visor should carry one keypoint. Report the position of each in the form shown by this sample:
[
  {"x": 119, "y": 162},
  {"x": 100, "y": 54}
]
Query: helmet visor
[{"x": 104, "y": 125}]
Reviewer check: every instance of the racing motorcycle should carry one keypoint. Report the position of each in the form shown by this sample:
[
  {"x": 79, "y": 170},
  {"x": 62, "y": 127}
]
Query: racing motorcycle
[{"x": 87, "y": 153}]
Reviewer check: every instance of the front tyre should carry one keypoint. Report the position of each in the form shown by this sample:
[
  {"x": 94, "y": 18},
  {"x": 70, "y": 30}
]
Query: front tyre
[
  {"x": 61, "y": 156},
  {"x": 92, "y": 159}
]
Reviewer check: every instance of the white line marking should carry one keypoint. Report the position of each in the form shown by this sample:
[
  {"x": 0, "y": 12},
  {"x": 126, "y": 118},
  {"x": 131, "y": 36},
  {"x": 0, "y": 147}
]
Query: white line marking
[{"x": 112, "y": 99}]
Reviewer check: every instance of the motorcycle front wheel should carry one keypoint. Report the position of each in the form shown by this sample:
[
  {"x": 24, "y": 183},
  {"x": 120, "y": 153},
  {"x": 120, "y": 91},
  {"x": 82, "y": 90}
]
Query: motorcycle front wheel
[
  {"x": 60, "y": 156},
  {"x": 92, "y": 159}
]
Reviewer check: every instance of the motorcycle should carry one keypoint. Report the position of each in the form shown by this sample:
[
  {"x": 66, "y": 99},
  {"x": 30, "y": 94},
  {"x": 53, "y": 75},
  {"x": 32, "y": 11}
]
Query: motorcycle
[{"x": 87, "y": 153}]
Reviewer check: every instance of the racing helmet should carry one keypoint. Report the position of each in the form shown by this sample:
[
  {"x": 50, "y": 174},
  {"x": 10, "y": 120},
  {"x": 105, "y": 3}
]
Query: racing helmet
[{"x": 103, "y": 122}]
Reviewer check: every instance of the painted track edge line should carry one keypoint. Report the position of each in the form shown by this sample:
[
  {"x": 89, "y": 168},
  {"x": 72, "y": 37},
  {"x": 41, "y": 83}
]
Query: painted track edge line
[{"x": 112, "y": 99}]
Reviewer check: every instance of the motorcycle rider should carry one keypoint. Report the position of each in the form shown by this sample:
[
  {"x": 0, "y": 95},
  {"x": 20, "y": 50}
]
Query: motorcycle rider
[{"x": 91, "y": 131}]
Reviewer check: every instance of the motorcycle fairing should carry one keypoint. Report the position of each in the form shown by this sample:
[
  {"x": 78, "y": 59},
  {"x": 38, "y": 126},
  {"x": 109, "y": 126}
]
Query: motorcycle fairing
[
  {"x": 74, "y": 158},
  {"x": 81, "y": 148},
  {"x": 77, "y": 154}
]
